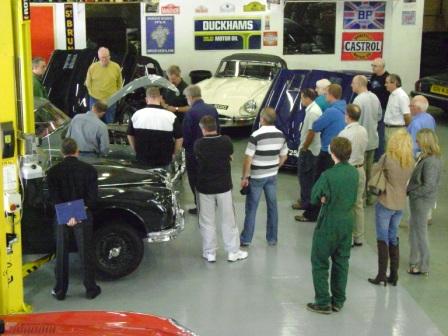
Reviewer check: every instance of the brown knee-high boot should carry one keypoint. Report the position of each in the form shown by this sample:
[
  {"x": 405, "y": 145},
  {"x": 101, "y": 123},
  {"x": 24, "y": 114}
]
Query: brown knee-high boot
[
  {"x": 383, "y": 258},
  {"x": 394, "y": 254}
]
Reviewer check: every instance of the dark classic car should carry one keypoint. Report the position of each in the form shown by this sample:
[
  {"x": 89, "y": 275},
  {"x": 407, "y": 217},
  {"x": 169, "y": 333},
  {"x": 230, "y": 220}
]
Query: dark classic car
[
  {"x": 67, "y": 70},
  {"x": 135, "y": 205},
  {"x": 434, "y": 88},
  {"x": 284, "y": 97}
]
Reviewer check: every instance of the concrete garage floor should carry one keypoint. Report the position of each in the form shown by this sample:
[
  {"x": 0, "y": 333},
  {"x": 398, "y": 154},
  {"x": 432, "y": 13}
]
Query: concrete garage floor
[{"x": 267, "y": 293}]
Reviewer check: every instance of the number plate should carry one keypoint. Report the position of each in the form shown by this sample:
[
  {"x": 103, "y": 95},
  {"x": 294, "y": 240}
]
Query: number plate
[
  {"x": 221, "y": 107},
  {"x": 443, "y": 90}
]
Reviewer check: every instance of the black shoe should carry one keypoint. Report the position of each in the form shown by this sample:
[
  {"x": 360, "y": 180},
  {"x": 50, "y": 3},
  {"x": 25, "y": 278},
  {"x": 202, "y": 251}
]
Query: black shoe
[
  {"x": 91, "y": 294},
  {"x": 356, "y": 244},
  {"x": 318, "y": 309},
  {"x": 193, "y": 211},
  {"x": 336, "y": 308},
  {"x": 58, "y": 295},
  {"x": 243, "y": 244}
]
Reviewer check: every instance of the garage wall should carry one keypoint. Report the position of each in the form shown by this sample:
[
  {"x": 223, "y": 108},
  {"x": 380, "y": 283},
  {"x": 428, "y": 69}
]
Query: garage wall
[{"x": 402, "y": 44}]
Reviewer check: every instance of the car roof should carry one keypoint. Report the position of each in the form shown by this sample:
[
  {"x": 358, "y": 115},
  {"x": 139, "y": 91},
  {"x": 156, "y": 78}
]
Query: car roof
[{"x": 255, "y": 57}]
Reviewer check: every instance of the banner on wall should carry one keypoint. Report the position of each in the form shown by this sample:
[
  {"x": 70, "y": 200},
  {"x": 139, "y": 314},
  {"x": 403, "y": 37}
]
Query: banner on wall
[
  {"x": 69, "y": 27},
  {"x": 364, "y": 15},
  {"x": 160, "y": 34},
  {"x": 361, "y": 46},
  {"x": 223, "y": 33}
]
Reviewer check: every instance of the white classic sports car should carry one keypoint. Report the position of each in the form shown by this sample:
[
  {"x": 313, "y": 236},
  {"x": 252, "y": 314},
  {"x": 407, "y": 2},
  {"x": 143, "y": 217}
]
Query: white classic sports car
[{"x": 239, "y": 86}]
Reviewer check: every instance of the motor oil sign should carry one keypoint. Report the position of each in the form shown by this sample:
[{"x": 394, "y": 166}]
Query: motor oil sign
[{"x": 361, "y": 46}]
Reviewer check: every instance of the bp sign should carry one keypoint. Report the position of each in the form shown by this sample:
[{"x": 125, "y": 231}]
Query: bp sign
[{"x": 361, "y": 46}]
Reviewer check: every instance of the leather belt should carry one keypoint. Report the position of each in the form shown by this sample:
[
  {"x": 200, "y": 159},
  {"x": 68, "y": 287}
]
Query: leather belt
[
  {"x": 359, "y": 166},
  {"x": 396, "y": 126}
]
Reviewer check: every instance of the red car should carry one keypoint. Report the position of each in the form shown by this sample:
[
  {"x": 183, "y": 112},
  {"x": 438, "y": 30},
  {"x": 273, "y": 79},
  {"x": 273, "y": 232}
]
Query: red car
[{"x": 92, "y": 323}]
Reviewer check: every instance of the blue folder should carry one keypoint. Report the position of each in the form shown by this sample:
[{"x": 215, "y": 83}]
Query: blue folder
[{"x": 67, "y": 210}]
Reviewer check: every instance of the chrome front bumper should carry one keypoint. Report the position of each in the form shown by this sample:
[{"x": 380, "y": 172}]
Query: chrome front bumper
[
  {"x": 169, "y": 234},
  {"x": 225, "y": 121},
  {"x": 172, "y": 233}
]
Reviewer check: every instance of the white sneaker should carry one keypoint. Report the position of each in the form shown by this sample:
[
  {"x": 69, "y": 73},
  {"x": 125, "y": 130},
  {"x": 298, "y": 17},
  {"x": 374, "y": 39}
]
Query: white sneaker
[
  {"x": 210, "y": 257},
  {"x": 238, "y": 255}
]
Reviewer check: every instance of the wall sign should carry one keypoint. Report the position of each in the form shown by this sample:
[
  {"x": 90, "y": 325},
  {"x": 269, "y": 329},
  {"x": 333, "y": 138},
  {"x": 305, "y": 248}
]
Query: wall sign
[
  {"x": 364, "y": 15},
  {"x": 254, "y": 6},
  {"x": 270, "y": 39},
  {"x": 361, "y": 46},
  {"x": 170, "y": 9},
  {"x": 69, "y": 27},
  {"x": 227, "y": 8},
  {"x": 227, "y": 33},
  {"x": 160, "y": 34},
  {"x": 201, "y": 9},
  {"x": 408, "y": 18},
  {"x": 26, "y": 15}
]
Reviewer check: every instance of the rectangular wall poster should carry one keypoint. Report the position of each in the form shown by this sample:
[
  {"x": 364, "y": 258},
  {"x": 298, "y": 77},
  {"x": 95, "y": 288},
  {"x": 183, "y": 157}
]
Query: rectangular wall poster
[
  {"x": 362, "y": 46},
  {"x": 160, "y": 34},
  {"x": 408, "y": 18},
  {"x": 364, "y": 15},
  {"x": 221, "y": 33}
]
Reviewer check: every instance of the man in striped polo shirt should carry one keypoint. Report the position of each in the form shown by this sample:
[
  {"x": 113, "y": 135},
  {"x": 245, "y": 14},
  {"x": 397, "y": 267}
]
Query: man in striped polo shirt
[{"x": 265, "y": 153}]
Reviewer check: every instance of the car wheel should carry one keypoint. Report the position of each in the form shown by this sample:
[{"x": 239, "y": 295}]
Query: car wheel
[{"x": 118, "y": 251}]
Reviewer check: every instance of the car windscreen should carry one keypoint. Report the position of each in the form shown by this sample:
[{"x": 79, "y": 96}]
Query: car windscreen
[
  {"x": 48, "y": 118},
  {"x": 251, "y": 69}
]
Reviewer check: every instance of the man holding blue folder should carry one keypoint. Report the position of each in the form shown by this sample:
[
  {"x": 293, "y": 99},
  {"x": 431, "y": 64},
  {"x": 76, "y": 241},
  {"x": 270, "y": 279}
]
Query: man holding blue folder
[{"x": 73, "y": 188}]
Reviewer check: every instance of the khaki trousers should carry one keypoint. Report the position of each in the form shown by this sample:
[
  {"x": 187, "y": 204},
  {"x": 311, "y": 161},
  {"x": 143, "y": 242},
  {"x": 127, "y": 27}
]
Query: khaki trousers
[{"x": 388, "y": 133}]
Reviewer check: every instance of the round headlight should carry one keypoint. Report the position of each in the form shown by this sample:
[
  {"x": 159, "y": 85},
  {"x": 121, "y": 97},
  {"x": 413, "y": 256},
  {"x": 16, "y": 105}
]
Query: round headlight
[{"x": 250, "y": 106}]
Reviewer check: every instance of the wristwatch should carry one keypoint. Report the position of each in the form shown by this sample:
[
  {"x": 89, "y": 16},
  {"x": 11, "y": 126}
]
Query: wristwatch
[{"x": 177, "y": 109}]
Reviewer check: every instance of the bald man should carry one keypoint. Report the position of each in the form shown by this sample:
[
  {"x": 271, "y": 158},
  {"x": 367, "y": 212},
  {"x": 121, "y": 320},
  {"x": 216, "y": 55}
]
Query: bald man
[
  {"x": 420, "y": 118},
  {"x": 103, "y": 80},
  {"x": 371, "y": 114},
  {"x": 377, "y": 86}
]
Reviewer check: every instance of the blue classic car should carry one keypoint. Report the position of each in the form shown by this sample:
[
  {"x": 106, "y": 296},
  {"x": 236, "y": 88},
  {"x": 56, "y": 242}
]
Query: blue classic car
[{"x": 284, "y": 97}]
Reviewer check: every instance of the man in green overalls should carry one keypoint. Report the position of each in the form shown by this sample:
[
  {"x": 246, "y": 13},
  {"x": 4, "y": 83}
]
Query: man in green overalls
[{"x": 336, "y": 189}]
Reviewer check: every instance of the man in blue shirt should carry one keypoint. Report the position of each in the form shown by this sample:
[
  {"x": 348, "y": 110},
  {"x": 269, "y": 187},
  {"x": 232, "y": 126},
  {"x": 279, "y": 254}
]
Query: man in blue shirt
[
  {"x": 420, "y": 118},
  {"x": 329, "y": 125},
  {"x": 192, "y": 132}
]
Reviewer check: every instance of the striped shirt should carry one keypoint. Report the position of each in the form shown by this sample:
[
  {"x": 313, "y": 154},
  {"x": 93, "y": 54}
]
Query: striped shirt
[{"x": 265, "y": 146}]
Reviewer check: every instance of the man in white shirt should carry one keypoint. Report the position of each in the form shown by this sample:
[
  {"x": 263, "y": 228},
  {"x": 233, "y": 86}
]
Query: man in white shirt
[
  {"x": 371, "y": 114},
  {"x": 398, "y": 114},
  {"x": 309, "y": 148},
  {"x": 357, "y": 135}
]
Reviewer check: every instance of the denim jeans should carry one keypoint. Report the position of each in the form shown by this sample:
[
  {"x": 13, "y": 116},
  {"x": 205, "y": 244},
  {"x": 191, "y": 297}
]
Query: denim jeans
[
  {"x": 109, "y": 117},
  {"x": 256, "y": 186},
  {"x": 387, "y": 221}
]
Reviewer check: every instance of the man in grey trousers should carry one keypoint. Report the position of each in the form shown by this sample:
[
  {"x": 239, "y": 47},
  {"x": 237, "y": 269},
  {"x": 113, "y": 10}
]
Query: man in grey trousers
[{"x": 214, "y": 191}]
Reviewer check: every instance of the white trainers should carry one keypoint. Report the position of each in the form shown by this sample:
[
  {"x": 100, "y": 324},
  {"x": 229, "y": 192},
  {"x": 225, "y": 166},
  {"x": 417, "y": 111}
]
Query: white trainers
[
  {"x": 239, "y": 255},
  {"x": 210, "y": 257}
]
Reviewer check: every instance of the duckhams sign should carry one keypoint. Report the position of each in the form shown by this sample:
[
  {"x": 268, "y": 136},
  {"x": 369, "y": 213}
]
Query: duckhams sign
[
  {"x": 227, "y": 33},
  {"x": 362, "y": 46}
]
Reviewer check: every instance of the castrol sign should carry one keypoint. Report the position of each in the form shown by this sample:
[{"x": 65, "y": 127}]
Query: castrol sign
[{"x": 361, "y": 46}]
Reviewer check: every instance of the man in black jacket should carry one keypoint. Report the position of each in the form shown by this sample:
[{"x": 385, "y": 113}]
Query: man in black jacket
[
  {"x": 214, "y": 191},
  {"x": 71, "y": 180}
]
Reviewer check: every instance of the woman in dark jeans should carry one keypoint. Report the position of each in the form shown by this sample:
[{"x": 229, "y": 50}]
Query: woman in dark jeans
[
  {"x": 397, "y": 164},
  {"x": 422, "y": 192}
]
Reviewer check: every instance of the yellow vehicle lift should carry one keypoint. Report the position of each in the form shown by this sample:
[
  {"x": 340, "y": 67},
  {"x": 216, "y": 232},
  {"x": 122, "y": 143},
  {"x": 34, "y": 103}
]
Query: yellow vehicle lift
[{"x": 16, "y": 141}]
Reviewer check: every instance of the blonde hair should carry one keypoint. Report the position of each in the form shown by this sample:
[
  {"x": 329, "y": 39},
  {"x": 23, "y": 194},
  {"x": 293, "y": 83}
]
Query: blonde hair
[
  {"x": 428, "y": 142},
  {"x": 399, "y": 147}
]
